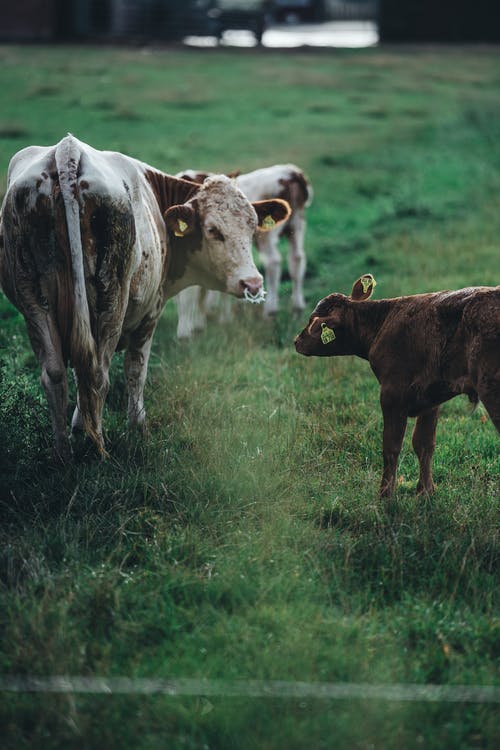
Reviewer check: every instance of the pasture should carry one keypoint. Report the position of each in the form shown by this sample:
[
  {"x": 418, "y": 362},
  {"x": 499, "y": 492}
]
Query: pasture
[{"x": 243, "y": 538}]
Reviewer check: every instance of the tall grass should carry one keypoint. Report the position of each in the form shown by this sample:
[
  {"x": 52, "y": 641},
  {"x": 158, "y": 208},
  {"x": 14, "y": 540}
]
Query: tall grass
[{"x": 243, "y": 537}]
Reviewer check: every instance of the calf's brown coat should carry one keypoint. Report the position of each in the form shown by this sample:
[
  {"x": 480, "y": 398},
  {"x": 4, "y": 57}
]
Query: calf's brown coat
[{"x": 424, "y": 349}]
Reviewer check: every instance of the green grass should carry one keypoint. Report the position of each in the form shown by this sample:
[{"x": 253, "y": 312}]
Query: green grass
[{"x": 243, "y": 538}]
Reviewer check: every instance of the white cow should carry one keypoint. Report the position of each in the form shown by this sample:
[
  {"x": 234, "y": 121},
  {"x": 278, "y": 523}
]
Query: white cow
[
  {"x": 93, "y": 243},
  {"x": 285, "y": 181}
]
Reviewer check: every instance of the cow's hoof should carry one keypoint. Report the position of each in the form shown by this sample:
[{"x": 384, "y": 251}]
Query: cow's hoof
[{"x": 428, "y": 489}]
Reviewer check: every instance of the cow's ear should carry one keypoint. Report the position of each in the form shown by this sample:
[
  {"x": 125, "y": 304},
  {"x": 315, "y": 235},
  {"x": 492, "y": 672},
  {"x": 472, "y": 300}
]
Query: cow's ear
[
  {"x": 271, "y": 213},
  {"x": 181, "y": 220},
  {"x": 363, "y": 288}
]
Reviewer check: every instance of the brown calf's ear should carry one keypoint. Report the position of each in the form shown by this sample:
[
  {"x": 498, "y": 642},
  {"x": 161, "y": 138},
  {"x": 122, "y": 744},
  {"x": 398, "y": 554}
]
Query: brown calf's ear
[
  {"x": 181, "y": 220},
  {"x": 271, "y": 213},
  {"x": 363, "y": 288}
]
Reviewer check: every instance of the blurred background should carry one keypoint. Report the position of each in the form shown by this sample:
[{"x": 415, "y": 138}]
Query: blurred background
[{"x": 251, "y": 22}]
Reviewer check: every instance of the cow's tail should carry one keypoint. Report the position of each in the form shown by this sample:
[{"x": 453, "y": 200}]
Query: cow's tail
[{"x": 82, "y": 345}]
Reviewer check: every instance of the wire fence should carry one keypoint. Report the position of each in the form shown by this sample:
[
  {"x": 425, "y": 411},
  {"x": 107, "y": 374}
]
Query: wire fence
[{"x": 252, "y": 689}]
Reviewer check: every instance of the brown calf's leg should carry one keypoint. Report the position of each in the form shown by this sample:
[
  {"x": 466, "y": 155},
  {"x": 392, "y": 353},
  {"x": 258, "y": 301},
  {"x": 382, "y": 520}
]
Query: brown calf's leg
[
  {"x": 488, "y": 380},
  {"x": 394, "y": 431},
  {"x": 490, "y": 396},
  {"x": 424, "y": 442}
]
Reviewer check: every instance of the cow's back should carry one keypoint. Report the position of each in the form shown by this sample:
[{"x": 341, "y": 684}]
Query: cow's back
[
  {"x": 284, "y": 181},
  {"x": 434, "y": 343},
  {"x": 37, "y": 268}
]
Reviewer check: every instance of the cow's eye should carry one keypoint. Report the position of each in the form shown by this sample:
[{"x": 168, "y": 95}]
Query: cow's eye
[{"x": 216, "y": 234}]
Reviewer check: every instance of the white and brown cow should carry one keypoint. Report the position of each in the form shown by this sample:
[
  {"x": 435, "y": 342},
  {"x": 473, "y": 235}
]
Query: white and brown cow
[
  {"x": 93, "y": 243},
  {"x": 285, "y": 181}
]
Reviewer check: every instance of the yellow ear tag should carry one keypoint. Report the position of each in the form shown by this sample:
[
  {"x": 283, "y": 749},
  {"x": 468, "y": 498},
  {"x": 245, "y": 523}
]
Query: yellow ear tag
[
  {"x": 366, "y": 281},
  {"x": 327, "y": 334},
  {"x": 182, "y": 228},
  {"x": 268, "y": 222}
]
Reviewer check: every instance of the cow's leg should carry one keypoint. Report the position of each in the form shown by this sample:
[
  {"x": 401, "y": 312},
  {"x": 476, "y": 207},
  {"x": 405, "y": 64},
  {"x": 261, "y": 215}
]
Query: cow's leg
[
  {"x": 47, "y": 347},
  {"x": 77, "y": 420},
  {"x": 491, "y": 402},
  {"x": 297, "y": 260},
  {"x": 267, "y": 244},
  {"x": 217, "y": 303},
  {"x": 191, "y": 315},
  {"x": 394, "y": 430},
  {"x": 92, "y": 386},
  {"x": 424, "y": 442},
  {"x": 136, "y": 368}
]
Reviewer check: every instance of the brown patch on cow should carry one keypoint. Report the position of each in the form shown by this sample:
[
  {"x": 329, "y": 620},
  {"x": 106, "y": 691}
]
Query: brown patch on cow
[
  {"x": 84, "y": 185},
  {"x": 136, "y": 339},
  {"x": 170, "y": 191},
  {"x": 199, "y": 178},
  {"x": 36, "y": 267},
  {"x": 294, "y": 190},
  {"x": 108, "y": 236},
  {"x": 181, "y": 249}
]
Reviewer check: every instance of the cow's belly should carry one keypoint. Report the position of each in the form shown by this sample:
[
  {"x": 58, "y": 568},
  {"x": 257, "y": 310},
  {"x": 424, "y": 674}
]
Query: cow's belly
[
  {"x": 421, "y": 399},
  {"x": 145, "y": 296}
]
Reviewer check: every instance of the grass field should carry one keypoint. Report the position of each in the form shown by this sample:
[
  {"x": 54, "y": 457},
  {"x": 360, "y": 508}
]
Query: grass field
[{"x": 243, "y": 538}]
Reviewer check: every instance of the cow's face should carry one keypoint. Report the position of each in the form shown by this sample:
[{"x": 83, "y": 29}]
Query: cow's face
[
  {"x": 227, "y": 222},
  {"x": 329, "y": 331}
]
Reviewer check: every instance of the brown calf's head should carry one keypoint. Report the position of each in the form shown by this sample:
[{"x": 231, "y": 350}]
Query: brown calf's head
[{"x": 326, "y": 334}]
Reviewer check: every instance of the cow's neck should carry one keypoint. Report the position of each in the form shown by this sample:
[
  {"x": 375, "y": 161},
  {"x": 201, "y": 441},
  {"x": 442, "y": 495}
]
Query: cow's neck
[
  {"x": 190, "y": 277},
  {"x": 364, "y": 320},
  {"x": 169, "y": 191},
  {"x": 173, "y": 288}
]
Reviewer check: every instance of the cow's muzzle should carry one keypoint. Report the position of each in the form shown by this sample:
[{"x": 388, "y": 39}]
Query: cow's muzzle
[
  {"x": 251, "y": 289},
  {"x": 301, "y": 346}
]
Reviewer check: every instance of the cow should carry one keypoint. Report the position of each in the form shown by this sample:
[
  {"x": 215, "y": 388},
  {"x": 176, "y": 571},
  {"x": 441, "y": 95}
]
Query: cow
[
  {"x": 92, "y": 245},
  {"x": 424, "y": 349},
  {"x": 286, "y": 181}
]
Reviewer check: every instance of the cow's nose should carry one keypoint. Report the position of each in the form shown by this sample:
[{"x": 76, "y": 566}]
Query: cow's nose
[
  {"x": 299, "y": 346},
  {"x": 254, "y": 285}
]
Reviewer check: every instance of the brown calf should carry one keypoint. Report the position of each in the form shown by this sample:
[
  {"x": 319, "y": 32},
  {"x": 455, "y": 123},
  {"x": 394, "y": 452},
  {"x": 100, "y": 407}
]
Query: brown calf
[{"x": 424, "y": 349}]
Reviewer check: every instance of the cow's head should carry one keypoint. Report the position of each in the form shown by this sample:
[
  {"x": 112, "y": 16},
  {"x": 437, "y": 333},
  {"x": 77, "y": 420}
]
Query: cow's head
[
  {"x": 328, "y": 334},
  {"x": 226, "y": 222}
]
